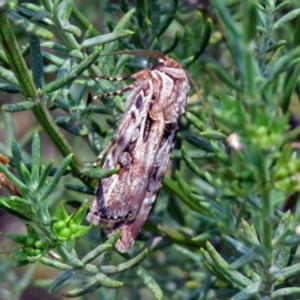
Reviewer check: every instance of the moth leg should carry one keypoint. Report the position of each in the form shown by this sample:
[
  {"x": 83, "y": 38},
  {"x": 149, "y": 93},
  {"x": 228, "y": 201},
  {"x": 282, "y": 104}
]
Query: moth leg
[
  {"x": 139, "y": 77},
  {"x": 133, "y": 76},
  {"x": 102, "y": 153},
  {"x": 115, "y": 93}
]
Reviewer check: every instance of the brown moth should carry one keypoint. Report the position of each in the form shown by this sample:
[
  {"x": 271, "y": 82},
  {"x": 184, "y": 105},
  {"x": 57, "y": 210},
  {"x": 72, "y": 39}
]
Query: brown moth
[{"x": 141, "y": 149}]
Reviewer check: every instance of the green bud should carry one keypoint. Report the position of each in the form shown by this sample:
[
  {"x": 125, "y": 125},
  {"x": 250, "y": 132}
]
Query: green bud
[
  {"x": 58, "y": 226},
  {"x": 65, "y": 232},
  {"x": 74, "y": 227},
  {"x": 29, "y": 251},
  {"x": 261, "y": 131},
  {"x": 30, "y": 241},
  {"x": 38, "y": 245},
  {"x": 37, "y": 252}
]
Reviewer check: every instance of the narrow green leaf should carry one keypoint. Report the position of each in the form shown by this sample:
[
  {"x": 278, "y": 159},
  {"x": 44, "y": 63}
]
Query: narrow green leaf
[
  {"x": 17, "y": 238},
  {"x": 37, "y": 62},
  {"x": 59, "y": 83},
  {"x": 175, "y": 43},
  {"x": 98, "y": 174},
  {"x": 10, "y": 176},
  {"x": 71, "y": 29},
  {"x": 34, "y": 13},
  {"x": 197, "y": 141},
  {"x": 276, "y": 45},
  {"x": 96, "y": 252},
  {"x": 82, "y": 230},
  {"x": 233, "y": 37},
  {"x": 106, "y": 38},
  {"x": 78, "y": 98},
  {"x": 274, "y": 58},
  {"x": 191, "y": 164},
  {"x": 8, "y": 75},
  {"x": 16, "y": 200},
  {"x": 174, "y": 188},
  {"x": 111, "y": 47},
  {"x": 16, "y": 107},
  {"x": 150, "y": 283},
  {"x": 280, "y": 6},
  {"x": 261, "y": 20},
  {"x": 80, "y": 214},
  {"x": 124, "y": 5},
  {"x": 141, "y": 12},
  {"x": 289, "y": 272},
  {"x": 44, "y": 174},
  {"x": 60, "y": 212},
  {"x": 218, "y": 271},
  {"x": 20, "y": 258},
  {"x": 223, "y": 76},
  {"x": 60, "y": 280},
  {"x": 250, "y": 292},
  {"x": 282, "y": 253},
  {"x": 55, "y": 46},
  {"x": 8, "y": 88},
  {"x": 280, "y": 66},
  {"x": 154, "y": 12},
  {"x": 3, "y": 57},
  {"x": 195, "y": 121},
  {"x": 54, "y": 263},
  {"x": 243, "y": 260},
  {"x": 79, "y": 189},
  {"x": 285, "y": 292},
  {"x": 53, "y": 59},
  {"x": 296, "y": 40},
  {"x": 35, "y": 159},
  {"x": 206, "y": 235},
  {"x": 203, "y": 41},
  {"x": 60, "y": 171},
  {"x": 32, "y": 232},
  {"x": 101, "y": 280},
  {"x": 26, "y": 175},
  {"x": 168, "y": 18},
  {"x": 4, "y": 206},
  {"x": 249, "y": 19},
  {"x": 125, "y": 266},
  {"x": 29, "y": 27},
  {"x": 286, "y": 18},
  {"x": 63, "y": 9},
  {"x": 70, "y": 128},
  {"x": 250, "y": 232},
  {"x": 43, "y": 17},
  {"x": 232, "y": 275},
  {"x": 225, "y": 17}
]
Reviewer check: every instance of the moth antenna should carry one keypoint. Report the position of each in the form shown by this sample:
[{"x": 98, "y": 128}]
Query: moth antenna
[{"x": 199, "y": 95}]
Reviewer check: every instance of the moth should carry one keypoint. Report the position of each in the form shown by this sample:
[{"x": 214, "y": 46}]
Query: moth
[{"x": 141, "y": 148}]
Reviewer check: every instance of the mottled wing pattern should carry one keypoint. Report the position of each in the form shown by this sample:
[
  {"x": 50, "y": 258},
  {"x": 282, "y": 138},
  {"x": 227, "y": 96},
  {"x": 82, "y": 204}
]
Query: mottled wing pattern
[
  {"x": 141, "y": 149},
  {"x": 131, "y": 229}
]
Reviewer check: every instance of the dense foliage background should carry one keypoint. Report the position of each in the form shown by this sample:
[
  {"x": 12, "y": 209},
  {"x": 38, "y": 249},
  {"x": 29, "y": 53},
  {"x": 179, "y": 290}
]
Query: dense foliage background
[{"x": 226, "y": 221}]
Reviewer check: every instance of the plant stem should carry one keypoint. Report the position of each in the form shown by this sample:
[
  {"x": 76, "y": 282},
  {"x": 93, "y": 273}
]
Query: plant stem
[
  {"x": 40, "y": 111},
  {"x": 267, "y": 236}
]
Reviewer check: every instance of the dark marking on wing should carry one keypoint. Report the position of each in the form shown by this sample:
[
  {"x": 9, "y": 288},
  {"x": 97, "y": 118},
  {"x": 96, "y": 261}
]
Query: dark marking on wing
[
  {"x": 149, "y": 122},
  {"x": 133, "y": 116},
  {"x": 139, "y": 102}
]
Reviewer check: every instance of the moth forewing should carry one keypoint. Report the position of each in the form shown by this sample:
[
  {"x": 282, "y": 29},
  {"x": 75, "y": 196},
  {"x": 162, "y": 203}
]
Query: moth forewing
[{"x": 141, "y": 149}]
